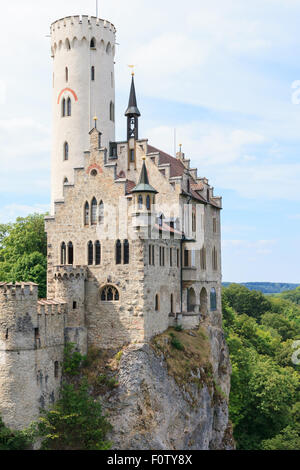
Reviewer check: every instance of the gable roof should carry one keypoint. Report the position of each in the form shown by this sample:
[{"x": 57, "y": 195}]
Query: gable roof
[{"x": 176, "y": 166}]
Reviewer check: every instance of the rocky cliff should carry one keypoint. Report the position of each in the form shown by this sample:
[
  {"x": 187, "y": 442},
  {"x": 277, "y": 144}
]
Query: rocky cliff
[{"x": 172, "y": 393}]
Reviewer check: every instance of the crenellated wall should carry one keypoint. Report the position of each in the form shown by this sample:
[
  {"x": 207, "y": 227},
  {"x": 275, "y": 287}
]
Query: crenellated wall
[{"x": 31, "y": 352}]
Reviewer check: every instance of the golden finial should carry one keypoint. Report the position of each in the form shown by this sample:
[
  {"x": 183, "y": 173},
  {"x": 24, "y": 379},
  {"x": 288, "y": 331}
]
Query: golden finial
[
  {"x": 144, "y": 157},
  {"x": 95, "y": 119},
  {"x": 132, "y": 69},
  {"x": 180, "y": 148}
]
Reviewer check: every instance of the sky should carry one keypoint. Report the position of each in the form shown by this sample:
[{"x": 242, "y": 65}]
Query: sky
[{"x": 225, "y": 74}]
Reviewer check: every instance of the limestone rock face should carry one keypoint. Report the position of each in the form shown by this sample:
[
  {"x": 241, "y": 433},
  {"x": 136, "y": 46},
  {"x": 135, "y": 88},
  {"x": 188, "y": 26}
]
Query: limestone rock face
[{"x": 151, "y": 410}]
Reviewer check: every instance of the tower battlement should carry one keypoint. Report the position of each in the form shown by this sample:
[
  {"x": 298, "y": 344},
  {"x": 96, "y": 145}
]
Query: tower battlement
[
  {"x": 19, "y": 291},
  {"x": 51, "y": 307},
  {"x": 69, "y": 273}
]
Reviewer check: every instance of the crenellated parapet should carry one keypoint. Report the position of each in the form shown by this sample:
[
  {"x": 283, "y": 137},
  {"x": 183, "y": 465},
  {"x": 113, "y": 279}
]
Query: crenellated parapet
[
  {"x": 18, "y": 291},
  {"x": 51, "y": 307},
  {"x": 69, "y": 273}
]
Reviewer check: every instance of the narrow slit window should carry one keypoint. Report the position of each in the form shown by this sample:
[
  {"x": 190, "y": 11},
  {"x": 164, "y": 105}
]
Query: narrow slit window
[
  {"x": 70, "y": 253},
  {"x": 98, "y": 253},
  {"x": 126, "y": 252},
  {"x": 94, "y": 212},
  {"x": 90, "y": 253},
  {"x": 118, "y": 252},
  {"x": 93, "y": 73}
]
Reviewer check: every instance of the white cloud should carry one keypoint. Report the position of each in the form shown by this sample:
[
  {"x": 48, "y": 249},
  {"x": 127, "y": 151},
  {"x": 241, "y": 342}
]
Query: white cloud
[
  {"x": 10, "y": 212},
  {"x": 257, "y": 247}
]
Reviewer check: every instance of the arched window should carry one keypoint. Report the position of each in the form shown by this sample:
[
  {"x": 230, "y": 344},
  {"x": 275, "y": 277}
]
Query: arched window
[
  {"x": 97, "y": 253},
  {"x": 68, "y": 45},
  {"x": 93, "y": 43},
  {"x": 126, "y": 252},
  {"x": 109, "y": 294},
  {"x": 157, "y": 303},
  {"x": 67, "y": 74},
  {"x": 70, "y": 253},
  {"x": 66, "y": 181},
  {"x": 63, "y": 253},
  {"x": 69, "y": 106},
  {"x": 93, "y": 73},
  {"x": 112, "y": 111},
  {"x": 63, "y": 107},
  {"x": 213, "y": 299},
  {"x": 140, "y": 202},
  {"x": 101, "y": 213},
  {"x": 90, "y": 253},
  {"x": 148, "y": 203},
  {"x": 172, "y": 304},
  {"x": 86, "y": 213},
  {"x": 66, "y": 151},
  {"x": 94, "y": 212},
  {"x": 118, "y": 252}
]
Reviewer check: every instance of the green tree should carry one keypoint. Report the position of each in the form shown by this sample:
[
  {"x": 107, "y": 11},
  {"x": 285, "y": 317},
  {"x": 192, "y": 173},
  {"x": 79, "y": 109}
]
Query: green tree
[
  {"x": 23, "y": 250},
  {"x": 13, "y": 440},
  {"x": 242, "y": 300}
]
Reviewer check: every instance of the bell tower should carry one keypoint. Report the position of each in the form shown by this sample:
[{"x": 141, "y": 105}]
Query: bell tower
[{"x": 132, "y": 113}]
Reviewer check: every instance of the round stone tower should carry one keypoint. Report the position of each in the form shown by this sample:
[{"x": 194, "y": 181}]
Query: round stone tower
[{"x": 83, "y": 50}]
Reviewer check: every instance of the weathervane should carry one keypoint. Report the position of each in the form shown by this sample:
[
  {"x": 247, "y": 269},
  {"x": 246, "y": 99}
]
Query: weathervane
[{"x": 132, "y": 69}]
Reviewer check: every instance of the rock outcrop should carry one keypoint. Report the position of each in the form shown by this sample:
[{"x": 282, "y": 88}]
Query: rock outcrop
[{"x": 173, "y": 393}]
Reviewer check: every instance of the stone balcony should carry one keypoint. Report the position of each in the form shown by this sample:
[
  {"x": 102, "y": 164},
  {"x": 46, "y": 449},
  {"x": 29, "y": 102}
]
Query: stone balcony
[{"x": 189, "y": 274}]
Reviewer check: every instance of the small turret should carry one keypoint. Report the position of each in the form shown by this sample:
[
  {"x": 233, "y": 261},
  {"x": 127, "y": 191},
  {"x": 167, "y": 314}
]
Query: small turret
[{"x": 132, "y": 113}]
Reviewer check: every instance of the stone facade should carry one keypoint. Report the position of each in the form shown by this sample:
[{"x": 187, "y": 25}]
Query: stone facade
[{"x": 127, "y": 257}]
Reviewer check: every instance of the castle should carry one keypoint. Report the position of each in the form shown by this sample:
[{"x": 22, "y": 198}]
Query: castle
[{"x": 133, "y": 240}]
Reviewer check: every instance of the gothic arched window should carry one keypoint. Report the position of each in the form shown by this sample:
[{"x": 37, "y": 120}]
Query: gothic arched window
[
  {"x": 70, "y": 253},
  {"x": 69, "y": 107},
  {"x": 97, "y": 253},
  {"x": 213, "y": 299},
  {"x": 63, "y": 253},
  {"x": 109, "y": 294},
  {"x": 94, "y": 212},
  {"x": 101, "y": 213},
  {"x": 126, "y": 252},
  {"x": 118, "y": 252},
  {"x": 90, "y": 253},
  {"x": 86, "y": 213},
  {"x": 140, "y": 202},
  {"x": 66, "y": 151},
  {"x": 93, "y": 43},
  {"x": 148, "y": 203}
]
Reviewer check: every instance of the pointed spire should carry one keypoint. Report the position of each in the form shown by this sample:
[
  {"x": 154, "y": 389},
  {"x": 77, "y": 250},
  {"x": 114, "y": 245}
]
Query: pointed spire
[
  {"x": 132, "y": 109},
  {"x": 143, "y": 185}
]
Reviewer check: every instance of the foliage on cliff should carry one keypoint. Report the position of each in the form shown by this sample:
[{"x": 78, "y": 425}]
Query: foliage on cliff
[
  {"x": 264, "y": 399},
  {"x": 23, "y": 249},
  {"x": 76, "y": 421},
  {"x": 13, "y": 440}
]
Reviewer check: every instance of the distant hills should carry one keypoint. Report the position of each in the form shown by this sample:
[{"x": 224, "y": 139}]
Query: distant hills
[{"x": 266, "y": 287}]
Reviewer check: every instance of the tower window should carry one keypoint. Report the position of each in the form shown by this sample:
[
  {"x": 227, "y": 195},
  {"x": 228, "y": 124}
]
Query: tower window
[
  {"x": 148, "y": 203},
  {"x": 63, "y": 107},
  {"x": 56, "y": 369},
  {"x": 172, "y": 304},
  {"x": 98, "y": 252},
  {"x": 140, "y": 202},
  {"x": 70, "y": 253},
  {"x": 131, "y": 155},
  {"x": 214, "y": 259},
  {"x": 74, "y": 305},
  {"x": 112, "y": 111},
  {"x": 126, "y": 252},
  {"x": 118, "y": 252},
  {"x": 66, "y": 151},
  {"x": 93, "y": 43},
  {"x": 67, "y": 74},
  {"x": 69, "y": 106},
  {"x": 90, "y": 253},
  {"x": 37, "y": 339},
  {"x": 63, "y": 253},
  {"x": 86, "y": 214},
  {"x": 93, "y": 73},
  {"x": 66, "y": 181},
  {"x": 94, "y": 212},
  {"x": 157, "y": 303}
]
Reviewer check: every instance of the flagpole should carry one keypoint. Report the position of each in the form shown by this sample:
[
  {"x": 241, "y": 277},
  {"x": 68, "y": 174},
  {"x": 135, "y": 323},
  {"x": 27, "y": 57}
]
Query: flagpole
[{"x": 96, "y": 8}]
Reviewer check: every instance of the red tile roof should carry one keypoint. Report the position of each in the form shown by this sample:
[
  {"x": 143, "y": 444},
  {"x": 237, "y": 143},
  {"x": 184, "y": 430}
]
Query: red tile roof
[
  {"x": 176, "y": 166},
  {"x": 129, "y": 186}
]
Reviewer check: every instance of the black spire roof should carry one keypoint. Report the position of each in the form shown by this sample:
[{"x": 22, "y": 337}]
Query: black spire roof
[
  {"x": 143, "y": 185},
  {"x": 132, "y": 109}
]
